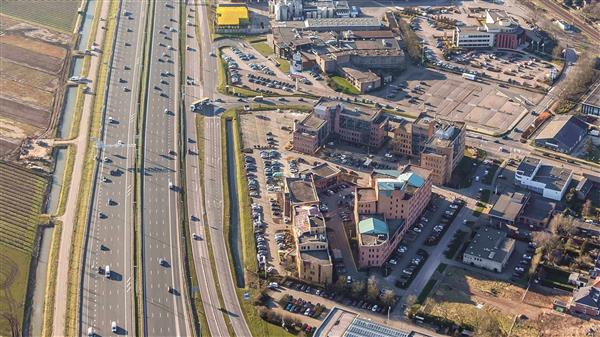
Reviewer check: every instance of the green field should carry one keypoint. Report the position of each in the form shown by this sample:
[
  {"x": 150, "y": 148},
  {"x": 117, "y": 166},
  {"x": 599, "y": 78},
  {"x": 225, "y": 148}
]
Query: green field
[
  {"x": 22, "y": 196},
  {"x": 263, "y": 48},
  {"x": 343, "y": 85},
  {"x": 60, "y": 15}
]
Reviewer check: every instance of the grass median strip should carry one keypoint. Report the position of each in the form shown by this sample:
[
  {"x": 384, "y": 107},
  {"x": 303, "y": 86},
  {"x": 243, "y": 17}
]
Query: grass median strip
[{"x": 66, "y": 183}]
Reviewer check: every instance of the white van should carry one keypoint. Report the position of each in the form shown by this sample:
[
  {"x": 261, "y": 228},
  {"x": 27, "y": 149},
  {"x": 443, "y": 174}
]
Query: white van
[
  {"x": 107, "y": 271},
  {"x": 113, "y": 326},
  {"x": 90, "y": 332}
]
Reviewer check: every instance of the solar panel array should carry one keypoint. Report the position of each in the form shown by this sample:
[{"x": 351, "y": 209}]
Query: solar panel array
[{"x": 362, "y": 328}]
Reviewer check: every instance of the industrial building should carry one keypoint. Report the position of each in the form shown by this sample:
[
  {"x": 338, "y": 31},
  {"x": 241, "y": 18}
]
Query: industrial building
[
  {"x": 386, "y": 209},
  {"x": 490, "y": 249},
  {"x": 342, "y": 323},
  {"x": 298, "y": 10},
  {"x": 562, "y": 134},
  {"x": 232, "y": 18},
  {"x": 551, "y": 182}
]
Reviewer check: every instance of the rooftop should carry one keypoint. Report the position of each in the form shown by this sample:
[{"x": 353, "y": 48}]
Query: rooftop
[
  {"x": 491, "y": 244},
  {"x": 445, "y": 133},
  {"x": 322, "y": 171},
  {"x": 528, "y": 166},
  {"x": 362, "y": 75},
  {"x": 374, "y": 230},
  {"x": 336, "y": 23},
  {"x": 313, "y": 122},
  {"x": 301, "y": 190},
  {"x": 508, "y": 207},
  {"x": 318, "y": 256},
  {"x": 232, "y": 15},
  {"x": 354, "y": 110},
  {"x": 343, "y": 323},
  {"x": 539, "y": 209},
  {"x": 565, "y": 130},
  {"x": 555, "y": 178},
  {"x": 594, "y": 97}
]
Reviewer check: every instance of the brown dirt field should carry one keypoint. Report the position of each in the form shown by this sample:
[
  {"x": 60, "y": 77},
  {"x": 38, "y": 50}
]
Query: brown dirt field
[
  {"x": 21, "y": 113},
  {"x": 27, "y": 76},
  {"x": 34, "y": 60},
  {"x": 6, "y": 22},
  {"x": 34, "y": 45},
  {"x": 6, "y": 146},
  {"x": 26, "y": 94}
]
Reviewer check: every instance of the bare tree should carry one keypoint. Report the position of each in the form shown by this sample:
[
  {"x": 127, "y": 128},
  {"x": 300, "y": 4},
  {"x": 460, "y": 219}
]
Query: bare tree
[
  {"x": 587, "y": 210},
  {"x": 358, "y": 288},
  {"x": 372, "y": 289},
  {"x": 388, "y": 297},
  {"x": 561, "y": 225}
]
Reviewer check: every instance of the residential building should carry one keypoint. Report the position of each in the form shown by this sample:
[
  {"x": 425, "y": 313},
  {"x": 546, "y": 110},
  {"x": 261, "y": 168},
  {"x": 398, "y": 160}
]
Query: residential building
[
  {"x": 385, "y": 210},
  {"x": 350, "y": 123},
  {"x": 591, "y": 104},
  {"x": 586, "y": 300},
  {"x": 562, "y": 134},
  {"x": 551, "y": 182},
  {"x": 490, "y": 249},
  {"x": 301, "y": 205},
  {"x": 587, "y": 184},
  {"x": 232, "y": 18},
  {"x": 437, "y": 144},
  {"x": 343, "y": 323}
]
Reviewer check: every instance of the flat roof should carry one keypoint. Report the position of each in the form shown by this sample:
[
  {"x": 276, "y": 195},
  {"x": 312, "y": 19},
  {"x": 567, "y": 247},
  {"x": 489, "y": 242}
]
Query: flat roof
[
  {"x": 555, "y": 178},
  {"x": 528, "y": 165},
  {"x": 323, "y": 171},
  {"x": 491, "y": 244},
  {"x": 594, "y": 97},
  {"x": 318, "y": 256},
  {"x": 566, "y": 130},
  {"x": 362, "y": 75},
  {"x": 231, "y": 15},
  {"x": 539, "y": 209},
  {"x": 343, "y": 323},
  {"x": 342, "y": 22},
  {"x": 374, "y": 230},
  {"x": 353, "y": 110},
  {"x": 301, "y": 190},
  {"x": 313, "y": 122},
  {"x": 508, "y": 207}
]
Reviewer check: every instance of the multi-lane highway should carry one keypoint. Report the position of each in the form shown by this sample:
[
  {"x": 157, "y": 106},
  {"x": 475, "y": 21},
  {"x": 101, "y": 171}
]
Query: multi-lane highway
[
  {"x": 164, "y": 308},
  {"x": 196, "y": 89},
  {"x": 106, "y": 296}
]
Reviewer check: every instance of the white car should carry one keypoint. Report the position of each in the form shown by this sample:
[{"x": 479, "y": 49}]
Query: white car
[
  {"x": 394, "y": 262},
  {"x": 417, "y": 229}
]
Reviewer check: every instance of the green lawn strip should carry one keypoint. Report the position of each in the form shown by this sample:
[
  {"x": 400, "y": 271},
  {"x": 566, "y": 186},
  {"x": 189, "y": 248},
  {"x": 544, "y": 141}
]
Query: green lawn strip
[
  {"x": 51, "y": 281},
  {"x": 243, "y": 91},
  {"x": 441, "y": 267},
  {"x": 75, "y": 263},
  {"x": 455, "y": 244},
  {"x": 426, "y": 290},
  {"x": 284, "y": 65},
  {"x": 66, "y": 183},
  {"x": 221, "y": 72},
  {"x": 341, "y": 84},
  {"x": 263, "y": 48}
]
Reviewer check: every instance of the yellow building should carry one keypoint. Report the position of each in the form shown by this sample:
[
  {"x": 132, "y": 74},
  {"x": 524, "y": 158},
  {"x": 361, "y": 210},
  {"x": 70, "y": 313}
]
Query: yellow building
[{"x": 232, "y": 18}]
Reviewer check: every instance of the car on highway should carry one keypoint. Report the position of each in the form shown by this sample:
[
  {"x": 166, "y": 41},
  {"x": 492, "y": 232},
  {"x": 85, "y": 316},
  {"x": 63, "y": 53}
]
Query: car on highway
[{"x": 113, "y": 326}]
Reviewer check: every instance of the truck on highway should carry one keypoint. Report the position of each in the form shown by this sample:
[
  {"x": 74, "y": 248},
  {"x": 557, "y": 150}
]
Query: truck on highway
[
  {"x": 470, "y": 76},
  {"x": 197, "y": 104}
]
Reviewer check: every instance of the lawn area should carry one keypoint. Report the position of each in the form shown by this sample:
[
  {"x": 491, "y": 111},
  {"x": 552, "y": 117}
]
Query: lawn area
[
  {"x": 284, "y": 65},
  {"x": 441, "y": 267},
  {"x": 341, "y": 84},
  {"x": 457, "y": 241},
  {"x": 263, "y": 48},
  {"x": 555, "y": 278},
  {"x": 426, "y": 290},
  {"x": 14, "y": 276},
  {"x": 60, "y": 15}
]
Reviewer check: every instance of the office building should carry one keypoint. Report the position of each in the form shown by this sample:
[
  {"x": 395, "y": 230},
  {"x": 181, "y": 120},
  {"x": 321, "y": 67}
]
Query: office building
[
  {"x": 343, "y": 323},
  {"x": 385, "y": 210},
  {"x": 497, "y": 30}
]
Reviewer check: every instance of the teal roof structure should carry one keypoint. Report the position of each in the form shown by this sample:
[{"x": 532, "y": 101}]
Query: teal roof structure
[{"x": 372, "y": 226}]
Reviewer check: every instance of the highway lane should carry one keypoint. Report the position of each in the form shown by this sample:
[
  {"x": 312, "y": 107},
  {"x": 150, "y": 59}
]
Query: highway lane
[
  {"x": 213, "y": 181},
  {"x": 164, "y": 309},
  {"x": 107, "y": 299},
  {"x": 195, "y": 203}
]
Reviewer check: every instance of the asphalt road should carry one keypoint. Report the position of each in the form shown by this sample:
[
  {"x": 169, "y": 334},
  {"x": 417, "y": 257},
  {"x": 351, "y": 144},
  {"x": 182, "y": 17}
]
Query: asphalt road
[
  {"x": 108, "y": 299},
  {"x": 207, "y": 289},
  {"x": 164, "y": 311}
]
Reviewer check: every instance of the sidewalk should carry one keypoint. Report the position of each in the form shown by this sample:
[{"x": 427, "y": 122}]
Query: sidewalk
[{"x": 70, "y": 216}]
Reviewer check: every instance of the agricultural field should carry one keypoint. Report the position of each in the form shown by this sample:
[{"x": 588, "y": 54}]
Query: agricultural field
[
  {"x": 60, "y": 15},
  {"x": 32, "y": 71},
  {"x": 20, "y": 207},
  {"x": 469, "y": 298}
]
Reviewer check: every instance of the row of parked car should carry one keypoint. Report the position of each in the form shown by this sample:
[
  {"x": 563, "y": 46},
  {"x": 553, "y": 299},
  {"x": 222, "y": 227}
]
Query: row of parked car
[
  {"x": 259, "y": 228},
  {"x": 447, "y": 218},
  {"x": 270, "y": 83},
  {"x": 301, "y": 306},
  {"x": 412, "y": 269},
  {"x": 525, "y": 262}
]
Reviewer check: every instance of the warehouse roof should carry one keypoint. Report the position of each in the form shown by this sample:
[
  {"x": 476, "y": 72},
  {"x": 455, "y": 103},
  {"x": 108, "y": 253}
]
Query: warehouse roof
[{"x": 232, "y": 15}]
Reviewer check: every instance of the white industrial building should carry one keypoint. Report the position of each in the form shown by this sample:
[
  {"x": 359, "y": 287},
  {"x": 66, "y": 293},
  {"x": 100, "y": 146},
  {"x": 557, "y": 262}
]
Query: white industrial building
[
  {"x": 552, "y": 182},
  {"x": 472, "y": 37},
  {"x": 297, "y": 10},
  {"x": 490, "y": 249}
]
